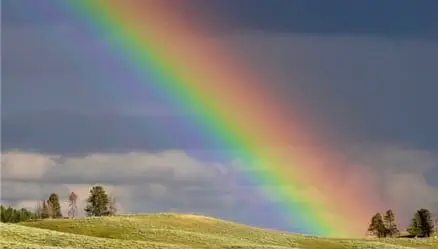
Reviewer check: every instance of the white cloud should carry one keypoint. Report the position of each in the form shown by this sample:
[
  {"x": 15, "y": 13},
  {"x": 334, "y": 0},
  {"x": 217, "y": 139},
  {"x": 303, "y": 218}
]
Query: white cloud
[
  {"x": 172, "y": 180},
  {"x": 370, "y": 179},
  {"x": 123, "y": 168},
  {"x": 168, "y": 179},
  {"x": 25, "y": 166},
  {"x": 400, "y": 174}
]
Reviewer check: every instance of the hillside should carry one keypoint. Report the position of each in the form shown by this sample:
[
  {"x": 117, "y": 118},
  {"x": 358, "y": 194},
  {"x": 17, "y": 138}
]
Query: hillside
[{"x": 173, "y": 231}]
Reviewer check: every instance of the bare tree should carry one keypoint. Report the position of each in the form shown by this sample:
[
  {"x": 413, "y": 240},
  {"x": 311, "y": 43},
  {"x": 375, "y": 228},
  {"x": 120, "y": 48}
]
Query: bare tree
[
  {"x": 72, "y": 205},
  {"x": 49, "y": 209},
  {"x": 38, "y": 211},
  {"x": 112, "y": 205},
  {"x": 434, "y": 217},
  {"x": 45, "y": 210},
  {"x": 435, "y": 223}
]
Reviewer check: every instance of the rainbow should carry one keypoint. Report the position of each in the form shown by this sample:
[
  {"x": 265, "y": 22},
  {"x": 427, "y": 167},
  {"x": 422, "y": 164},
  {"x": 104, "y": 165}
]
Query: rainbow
[{"x": 232, "y": 108}]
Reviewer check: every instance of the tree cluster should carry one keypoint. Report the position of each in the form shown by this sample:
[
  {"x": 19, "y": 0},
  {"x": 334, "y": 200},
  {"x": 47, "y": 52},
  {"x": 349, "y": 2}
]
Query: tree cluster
[
  {"x": 12, "y": 215},
  {"x": 385, "y": 226},
  {"x": 421, "y": 225},
  {"x": 99, "y": 203},
  {"x": 50, "y": 208}
]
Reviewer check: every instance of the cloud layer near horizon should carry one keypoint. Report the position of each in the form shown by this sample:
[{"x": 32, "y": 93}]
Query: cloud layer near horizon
[{"x": 174, "y": 181}]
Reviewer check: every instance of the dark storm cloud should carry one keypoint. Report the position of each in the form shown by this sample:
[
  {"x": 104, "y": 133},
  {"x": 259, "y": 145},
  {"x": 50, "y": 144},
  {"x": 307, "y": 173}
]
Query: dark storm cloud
[
  {"x": 372, "y": 17},
  {"x": 357, "y": 89},
  {"x": 61, "y": 67},
  {"x": 397, "y": 18},
  {"x": 69, "y": 132}
]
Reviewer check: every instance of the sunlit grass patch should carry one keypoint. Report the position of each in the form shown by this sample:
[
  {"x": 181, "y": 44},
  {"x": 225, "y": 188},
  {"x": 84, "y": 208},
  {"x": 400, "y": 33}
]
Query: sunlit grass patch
[{"x": 169, "y": 230}]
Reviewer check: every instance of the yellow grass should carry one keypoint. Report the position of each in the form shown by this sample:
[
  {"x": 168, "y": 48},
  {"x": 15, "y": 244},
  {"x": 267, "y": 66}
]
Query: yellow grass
[{"x": 167, "y": 230}]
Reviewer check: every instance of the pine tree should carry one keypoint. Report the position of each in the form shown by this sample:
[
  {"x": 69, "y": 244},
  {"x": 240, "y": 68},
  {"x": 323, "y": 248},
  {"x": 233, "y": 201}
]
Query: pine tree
[
  {"x": 97, "y": 202},
  {"x": 21, "y": 215},
  {"x": 7, "y": 214},
  {"x": 55, "y": 207},
  {"x": 377, "y": 227},
  {"x": 421, "y": 224},
  {"x": 415, "y": 225},
  {"x": 372, "y": 226},
  {"x": 72, "y": 203},
  {"x": 427, "y": 227},
  {"x": 390, "y": 224},
  {"x": 2, "y": 213}
]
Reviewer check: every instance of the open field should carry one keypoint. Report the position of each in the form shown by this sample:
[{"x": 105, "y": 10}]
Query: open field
[{"x": 165, "y": 231}]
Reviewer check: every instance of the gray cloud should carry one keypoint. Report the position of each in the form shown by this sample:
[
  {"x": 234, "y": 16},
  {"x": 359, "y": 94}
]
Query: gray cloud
[
  {"x": 349, "y": 88},
  {"x": 394, "y": 18},
  {"x": 174, "y": 167},
  {"x": 356, "y": 88},
  {"x": 165, "y": 180},
  {"x": 174, "y": 181},
  {"x": 401, "y": 174},
  {"x": 70, "y": 132}
]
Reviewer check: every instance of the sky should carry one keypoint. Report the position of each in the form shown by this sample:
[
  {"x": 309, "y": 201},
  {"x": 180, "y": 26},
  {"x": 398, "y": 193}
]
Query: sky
[{"x": 362, "y": 73}]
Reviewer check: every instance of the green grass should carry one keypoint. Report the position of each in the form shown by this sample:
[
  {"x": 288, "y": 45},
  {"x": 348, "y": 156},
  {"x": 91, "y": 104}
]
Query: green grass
[{"x": 165, "y": 231}]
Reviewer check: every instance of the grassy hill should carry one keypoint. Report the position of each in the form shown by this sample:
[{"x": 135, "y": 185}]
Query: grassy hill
[{"x": 165, "y": 231}]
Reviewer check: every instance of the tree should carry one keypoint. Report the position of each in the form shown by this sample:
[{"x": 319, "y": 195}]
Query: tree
[
  {"x": 97, "y": 202},
  {"x": 112, "y": 205},
  {"x": 390, "y": 224},
  {"x": 2, "y": 213},
  {"x": 38, "y": 211},
  {"x": 421, "y": 224},
  {"x": 72, "y": 203},
  {"x": 45, "y": 210},
  {"x": 415, "y": 225},
  {"x": 427, "y": 227},
  {"x": 7, "y": 214},
  {"x": 435, "y": 222},
  {"x": 22, "y": 214},
  {"x": 377, "y": 227},
  {"x": 54, "y": 206}
]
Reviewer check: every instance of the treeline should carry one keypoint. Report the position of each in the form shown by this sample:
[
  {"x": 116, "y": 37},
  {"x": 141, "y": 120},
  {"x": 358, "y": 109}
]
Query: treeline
[
  {"x": 422, "y": 225},
  {"x": 98, "y": 203},
  {"x": 12, "y": 215}
]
